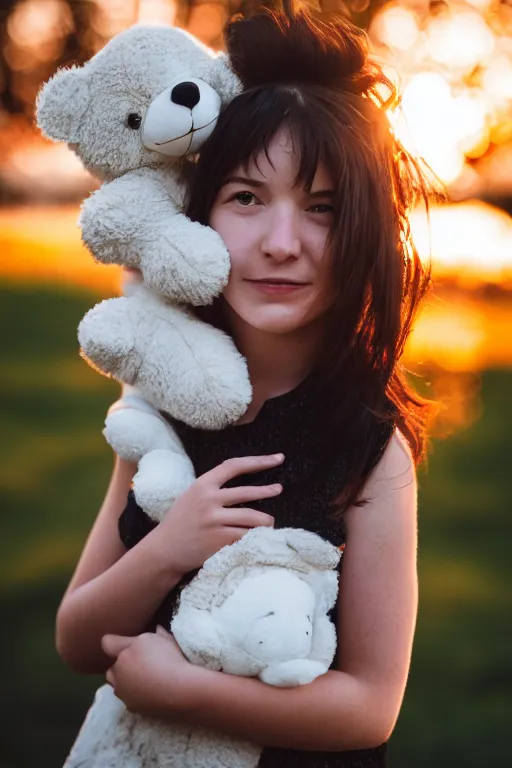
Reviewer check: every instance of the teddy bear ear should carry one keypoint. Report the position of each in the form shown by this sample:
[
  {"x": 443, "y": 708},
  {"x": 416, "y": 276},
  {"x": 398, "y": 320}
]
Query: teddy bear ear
[
  {"x": 325, "y": 586},
  {"x": 224, "y": 80},
  {"x": 61, "y": 104},
  {"x": 312, "y": 548}
]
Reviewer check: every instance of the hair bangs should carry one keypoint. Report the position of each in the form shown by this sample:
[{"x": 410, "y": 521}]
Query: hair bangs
[{"x": 248, "y": 127}]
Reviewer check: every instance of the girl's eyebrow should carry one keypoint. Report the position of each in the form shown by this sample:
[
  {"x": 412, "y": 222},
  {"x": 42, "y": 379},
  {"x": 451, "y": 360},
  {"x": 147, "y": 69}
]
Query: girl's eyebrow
[
  {"x": 244, "y": 180},
  {"x": 322, "y": 193},
  {"x": 247, "y": 181}
]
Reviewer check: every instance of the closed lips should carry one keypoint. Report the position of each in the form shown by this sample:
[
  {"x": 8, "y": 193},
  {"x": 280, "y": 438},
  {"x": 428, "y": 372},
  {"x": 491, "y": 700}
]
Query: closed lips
[{"x": 277, "y": 281}]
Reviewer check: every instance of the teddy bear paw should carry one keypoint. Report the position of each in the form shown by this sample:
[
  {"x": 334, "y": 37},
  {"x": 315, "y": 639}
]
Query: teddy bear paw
[
  {"x": 289, "y": 674},
  {"x": 187, "y": 263},
  {"x": 161, "y": 477},
  {"x": 106, "y": 335}
]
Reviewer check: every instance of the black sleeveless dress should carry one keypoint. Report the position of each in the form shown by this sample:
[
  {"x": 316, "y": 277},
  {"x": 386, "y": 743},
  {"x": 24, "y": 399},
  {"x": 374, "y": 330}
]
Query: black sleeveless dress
[{"x": 312, "y": 475}]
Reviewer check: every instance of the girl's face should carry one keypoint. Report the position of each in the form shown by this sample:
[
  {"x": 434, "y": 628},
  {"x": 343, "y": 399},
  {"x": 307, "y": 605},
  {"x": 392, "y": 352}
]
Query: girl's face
[{"x": 276, "y": 234}]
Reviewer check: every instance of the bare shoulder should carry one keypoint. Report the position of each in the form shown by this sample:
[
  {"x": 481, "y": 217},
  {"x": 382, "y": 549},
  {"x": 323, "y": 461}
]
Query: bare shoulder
[
  {"x": 389, "y": 494},
  {"x": 394, "y": 470}
]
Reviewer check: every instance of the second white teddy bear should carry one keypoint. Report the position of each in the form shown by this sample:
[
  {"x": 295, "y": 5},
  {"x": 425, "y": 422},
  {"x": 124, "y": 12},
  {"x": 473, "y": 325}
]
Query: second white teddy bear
[{"x": 258, "y": 607}]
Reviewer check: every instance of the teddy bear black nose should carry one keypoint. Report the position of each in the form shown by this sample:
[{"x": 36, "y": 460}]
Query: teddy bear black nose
[{"x": 186, "y": 94}]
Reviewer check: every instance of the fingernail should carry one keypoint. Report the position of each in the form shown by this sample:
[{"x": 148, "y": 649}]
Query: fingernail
[{"x": 278, "y": 456}]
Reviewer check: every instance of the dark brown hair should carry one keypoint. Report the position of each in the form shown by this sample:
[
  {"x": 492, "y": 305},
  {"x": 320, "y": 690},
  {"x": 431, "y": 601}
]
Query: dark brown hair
[{"x": 312, "y": 74}]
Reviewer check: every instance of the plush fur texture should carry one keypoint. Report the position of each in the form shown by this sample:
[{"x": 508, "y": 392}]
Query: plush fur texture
[
  {"x": 137, "y": 432},
  {"x": 132, "y": 113},
  {"x": 151, "y": 96},
  {"x": 256, "y": 608}
]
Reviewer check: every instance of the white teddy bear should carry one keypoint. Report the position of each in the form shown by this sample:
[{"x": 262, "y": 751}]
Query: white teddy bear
[
  {"x": 151, "y": 96},
  {"x": 257, "y": 608}
]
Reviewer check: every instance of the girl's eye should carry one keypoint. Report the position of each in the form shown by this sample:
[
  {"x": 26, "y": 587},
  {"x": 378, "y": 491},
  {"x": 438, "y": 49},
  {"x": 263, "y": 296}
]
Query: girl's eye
[
  {"x": 244, "y": 198},
  {"x": 321, "y": 208}
]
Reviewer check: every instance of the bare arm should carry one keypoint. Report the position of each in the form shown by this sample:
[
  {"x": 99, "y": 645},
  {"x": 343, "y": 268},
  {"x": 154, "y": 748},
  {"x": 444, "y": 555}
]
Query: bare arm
[
  {"x": 354, "y": 707},
  {"x": 117, "y": 591},
  {"x": 112, "y": 590}
]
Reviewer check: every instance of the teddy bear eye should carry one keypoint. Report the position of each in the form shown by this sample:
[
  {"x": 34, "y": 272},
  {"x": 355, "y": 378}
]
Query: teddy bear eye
[{"x": 134, "y": 120}]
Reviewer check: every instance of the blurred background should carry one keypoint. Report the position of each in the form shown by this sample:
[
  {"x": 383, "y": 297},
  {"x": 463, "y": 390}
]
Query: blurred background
[{"x": 454, "y": 61}]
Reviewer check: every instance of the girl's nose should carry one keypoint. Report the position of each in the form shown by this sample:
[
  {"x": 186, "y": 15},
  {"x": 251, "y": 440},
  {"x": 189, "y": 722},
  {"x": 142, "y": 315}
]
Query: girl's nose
[{"x": 282, "y": 240}]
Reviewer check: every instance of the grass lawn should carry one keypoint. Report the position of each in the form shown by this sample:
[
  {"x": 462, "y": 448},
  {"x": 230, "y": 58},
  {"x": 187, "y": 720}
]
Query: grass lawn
[{"x": 53, "y": 472}]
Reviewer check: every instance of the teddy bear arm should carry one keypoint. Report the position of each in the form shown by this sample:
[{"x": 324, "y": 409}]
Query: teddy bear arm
[
  {"x": 183, "y": 260},
  {"x": 116, "y": 220}
]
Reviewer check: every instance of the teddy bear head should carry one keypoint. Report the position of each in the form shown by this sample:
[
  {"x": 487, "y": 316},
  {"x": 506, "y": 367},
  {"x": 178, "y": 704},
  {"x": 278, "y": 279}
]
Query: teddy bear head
[
  {"x": 269, "y": 617},
  {"x": 151, "y": 95},
  {"x": 260, "y": 607}
]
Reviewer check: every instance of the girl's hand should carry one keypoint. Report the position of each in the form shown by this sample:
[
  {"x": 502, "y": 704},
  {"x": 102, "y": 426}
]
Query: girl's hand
[
  {"x": 150, "y": 674},
  {"x": 204, "y": 519}
]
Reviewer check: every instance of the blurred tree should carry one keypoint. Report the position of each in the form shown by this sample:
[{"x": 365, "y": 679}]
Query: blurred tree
[{"x": 37, "y": 36}]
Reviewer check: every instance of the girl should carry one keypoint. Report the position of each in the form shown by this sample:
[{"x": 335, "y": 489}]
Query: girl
[{"x": 309, "y": 189}]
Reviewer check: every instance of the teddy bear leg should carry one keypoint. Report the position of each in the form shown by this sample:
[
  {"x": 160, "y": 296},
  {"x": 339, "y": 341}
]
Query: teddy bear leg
[
  {"x": 161, "y": 477},
  {"x": 185, "y": 261},
  {"x": 132, "y": 433},
  {"x": 107, "y": 339},
  {"x": 213, "y": 750},
  {"x": 165, "y": 745},
  {"x": 101, "y": 742}
]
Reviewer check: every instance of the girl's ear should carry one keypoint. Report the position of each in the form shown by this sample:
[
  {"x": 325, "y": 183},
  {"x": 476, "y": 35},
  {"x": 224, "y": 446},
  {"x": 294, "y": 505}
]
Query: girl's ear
[
  {"x": 224, "y": 80},
  {"x": 61, "y": 105}
]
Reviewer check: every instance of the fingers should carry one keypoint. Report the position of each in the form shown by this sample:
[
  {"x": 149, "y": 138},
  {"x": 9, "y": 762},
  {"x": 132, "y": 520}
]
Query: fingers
[
  {"x": 248, "y": 493},
  {"x": 112, "y": 645},
  {"x": 243, "y": 519},
  {"x": 242, "y": 465},
  {"x": 234, "y": 534}
]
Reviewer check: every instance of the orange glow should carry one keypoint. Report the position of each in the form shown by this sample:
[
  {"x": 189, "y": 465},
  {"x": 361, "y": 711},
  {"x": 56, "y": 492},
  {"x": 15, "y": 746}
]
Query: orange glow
[
  {"x": 112, "y": 16},
  {"x": 460, "y": 40},
  {"x": 397, "y": 27},
  {"x": 43, "y": 245},
  {"x": 457, "y": 82},
  {"x": 162, "y": 11},
  {"x": 35, "y": 23},
  {"x": 472, "y": 240}
]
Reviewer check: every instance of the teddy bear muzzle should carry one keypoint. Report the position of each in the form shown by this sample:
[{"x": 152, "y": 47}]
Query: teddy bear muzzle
[
  {"x": 282, "y": 636},
  {"x": 181, "y": 118}
]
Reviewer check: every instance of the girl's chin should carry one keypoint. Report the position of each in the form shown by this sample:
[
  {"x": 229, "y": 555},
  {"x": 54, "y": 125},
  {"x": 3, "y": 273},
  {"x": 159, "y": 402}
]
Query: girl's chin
[{"x": 272, "y": 323}]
